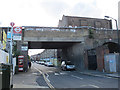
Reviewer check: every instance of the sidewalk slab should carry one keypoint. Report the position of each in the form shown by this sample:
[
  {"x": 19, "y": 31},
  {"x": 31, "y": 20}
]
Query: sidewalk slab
[
  {"x": 113, "y": 75},
  {"x": 27, "y": 79},
  {"x": 100, "y": 74},
  {"x": 27, "y": 86}
]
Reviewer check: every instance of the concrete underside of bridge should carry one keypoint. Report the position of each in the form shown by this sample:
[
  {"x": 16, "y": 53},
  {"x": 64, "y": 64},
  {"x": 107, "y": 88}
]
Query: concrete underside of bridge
[
  {"x": 72, "y": 51},
  {"x": 50, "y": 45}
]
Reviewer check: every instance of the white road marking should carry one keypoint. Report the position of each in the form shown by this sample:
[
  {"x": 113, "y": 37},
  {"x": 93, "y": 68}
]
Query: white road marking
[
  {"x": 34, "y": 73},
  {"x": 62, "y": 73},
  {"x": 89, "y": 85},
  {"x": 47, "y": 77},
  {"x": 98, "y": 82},
  {"x": 94, "y": 86},
  {"x": 108, "y": 77},
  {"x": 98, "y": 75},
  {"x": 76, "y": 77},
  {"x": 56, "y": 74},
  {"x": 50, "y": 71}
]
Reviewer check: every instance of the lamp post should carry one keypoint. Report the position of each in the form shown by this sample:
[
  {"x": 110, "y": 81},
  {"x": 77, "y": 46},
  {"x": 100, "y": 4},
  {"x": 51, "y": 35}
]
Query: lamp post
[{"x": 117, "y": 32}]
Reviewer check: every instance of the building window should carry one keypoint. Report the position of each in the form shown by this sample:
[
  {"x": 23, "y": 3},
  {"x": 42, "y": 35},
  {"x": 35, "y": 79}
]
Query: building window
[{"x": 84, "y": 22}]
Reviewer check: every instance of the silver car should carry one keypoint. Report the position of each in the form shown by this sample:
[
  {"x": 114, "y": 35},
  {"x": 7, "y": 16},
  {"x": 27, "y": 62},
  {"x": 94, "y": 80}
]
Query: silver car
[
  {"x": 49, "y": 64},
  {"x": 67, "y": 65}
]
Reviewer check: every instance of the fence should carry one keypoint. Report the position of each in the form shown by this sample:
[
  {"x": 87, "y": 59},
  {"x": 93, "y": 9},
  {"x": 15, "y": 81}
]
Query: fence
[{"x": 4, "y": 57}]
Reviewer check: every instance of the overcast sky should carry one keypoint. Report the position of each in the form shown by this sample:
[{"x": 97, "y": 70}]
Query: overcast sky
[{"x": 48, "y": 12}]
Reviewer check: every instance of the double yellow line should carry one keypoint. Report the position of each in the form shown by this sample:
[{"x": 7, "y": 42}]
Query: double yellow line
[{"x": 46, "y": 80}]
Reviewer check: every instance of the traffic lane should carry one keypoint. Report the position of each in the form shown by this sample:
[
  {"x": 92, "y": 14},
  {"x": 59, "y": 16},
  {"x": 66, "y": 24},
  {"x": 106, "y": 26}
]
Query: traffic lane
[
  {"x": 94, "y": 81},
  {"x": 64, "y": 81},
  {"x": 76, "y": 80},
  {"x": 104, "y": 82},
  {"x": 46, "y": 69},
  {"x": 108, "y": 81}
]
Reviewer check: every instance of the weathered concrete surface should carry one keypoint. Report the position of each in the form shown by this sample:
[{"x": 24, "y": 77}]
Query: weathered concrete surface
[
  {"x": 78, "y": 36},
  {"x": 75, "y": 54},
  {"x": 24, "y": 53},
  {"x": 55, "y": 34}
]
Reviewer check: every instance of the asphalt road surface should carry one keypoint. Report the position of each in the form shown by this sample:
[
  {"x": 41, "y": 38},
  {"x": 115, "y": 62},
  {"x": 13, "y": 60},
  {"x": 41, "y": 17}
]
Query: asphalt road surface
[{"x": 55, "y": 78}]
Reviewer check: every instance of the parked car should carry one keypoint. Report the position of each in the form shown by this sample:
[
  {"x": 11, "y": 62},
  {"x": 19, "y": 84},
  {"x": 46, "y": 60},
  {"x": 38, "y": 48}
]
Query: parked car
[
  {"x": 49, "y": 64},
  {"x": 45, "y": 63},
  {"x": 67, "y": 65},
  {"x": 42, "y": 62},
  {"x": 38, "y": 62}
]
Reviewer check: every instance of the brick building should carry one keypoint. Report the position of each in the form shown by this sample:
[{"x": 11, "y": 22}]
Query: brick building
[
  {"x": 74, "y": 21},
  {"x": 93, "y": 55}
]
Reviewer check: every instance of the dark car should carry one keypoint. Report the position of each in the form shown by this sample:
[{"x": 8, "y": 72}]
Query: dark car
[{"x": 67, "y": 65}]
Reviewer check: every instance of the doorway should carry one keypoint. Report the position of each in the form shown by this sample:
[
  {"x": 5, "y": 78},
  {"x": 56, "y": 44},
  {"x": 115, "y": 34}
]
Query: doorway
[
  {"x": 92, "y": 59},
  {"x": 92, "y": 62}
]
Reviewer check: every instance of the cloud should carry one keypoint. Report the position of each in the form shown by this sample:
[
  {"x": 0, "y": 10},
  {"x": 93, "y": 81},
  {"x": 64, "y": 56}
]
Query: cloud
[
  {"x": 54, "y": 7},
  {"x": 48, "y": 12},
  {"x": 86, "y": 10}
]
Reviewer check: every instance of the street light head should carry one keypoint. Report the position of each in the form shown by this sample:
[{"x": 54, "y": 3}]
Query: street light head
[{"x": 107, "y": 16}]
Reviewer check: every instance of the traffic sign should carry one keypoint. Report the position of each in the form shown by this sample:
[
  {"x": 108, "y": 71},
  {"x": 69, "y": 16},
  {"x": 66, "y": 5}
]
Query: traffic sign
[
  {"x": 24, "y": 48},
  {"x": 17, "y": 33},
  {"x": 12, "y": 24},
  {"x": 8, "y": 35},
  {"x": 17, "y": 30}
]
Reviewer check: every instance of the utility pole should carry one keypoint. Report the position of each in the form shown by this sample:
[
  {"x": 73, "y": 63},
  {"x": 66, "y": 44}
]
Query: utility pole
[
  {"x": 118, "y": 32},
  {"x": 118, "y": 35}
]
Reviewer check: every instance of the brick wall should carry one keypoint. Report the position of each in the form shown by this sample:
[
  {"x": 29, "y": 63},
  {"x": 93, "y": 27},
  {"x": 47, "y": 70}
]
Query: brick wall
[
  {"x": 100, "y": 51},
  {"x": 84, "y": 21},
  {"x": 86, "y": 59}
]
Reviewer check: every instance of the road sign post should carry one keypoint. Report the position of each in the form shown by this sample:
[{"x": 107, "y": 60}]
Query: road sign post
[
  {"x": 12, "y": 24},
  {"x": 11, "y": 58}
]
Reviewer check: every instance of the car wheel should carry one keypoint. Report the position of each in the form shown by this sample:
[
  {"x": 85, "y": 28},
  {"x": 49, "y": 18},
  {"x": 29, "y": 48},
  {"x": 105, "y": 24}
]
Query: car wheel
[
  {"x": 12, "y": 86},
  {"x": 64, "y": 68}
]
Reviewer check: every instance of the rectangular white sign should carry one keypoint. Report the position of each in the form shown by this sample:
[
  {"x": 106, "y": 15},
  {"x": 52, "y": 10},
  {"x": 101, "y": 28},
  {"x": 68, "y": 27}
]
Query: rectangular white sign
[
  {"x": 17, "y": 37},
  {"x": 20, "y": 68},
  {"x": 24, "y": 48}
]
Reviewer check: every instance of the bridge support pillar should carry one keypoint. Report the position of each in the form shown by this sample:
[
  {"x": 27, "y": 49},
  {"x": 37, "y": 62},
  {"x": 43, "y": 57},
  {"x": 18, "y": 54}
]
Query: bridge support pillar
[
  {"x": 23, "y": 49},
  {"x": 75, "y": 54}
]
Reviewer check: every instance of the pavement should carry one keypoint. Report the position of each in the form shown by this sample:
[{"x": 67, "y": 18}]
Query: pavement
[
  {"x": 100, "y": 74},
  {"x": 28, "y": 79}
]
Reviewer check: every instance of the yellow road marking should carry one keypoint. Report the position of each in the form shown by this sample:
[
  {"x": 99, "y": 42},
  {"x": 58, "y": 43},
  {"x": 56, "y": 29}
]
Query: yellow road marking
[{"x": 46, "y": 80}]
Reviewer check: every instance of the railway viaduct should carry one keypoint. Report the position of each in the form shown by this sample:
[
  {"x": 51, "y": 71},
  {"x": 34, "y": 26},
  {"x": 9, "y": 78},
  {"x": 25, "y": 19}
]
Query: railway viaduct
[{"x": 73, "y": 42}]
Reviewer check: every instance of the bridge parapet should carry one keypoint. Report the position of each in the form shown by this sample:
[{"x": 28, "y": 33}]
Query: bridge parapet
[
  {"x": 74, "y": 34},
  {"x": 54, "y": 34},
  {"x": 101, "y": 34}
]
